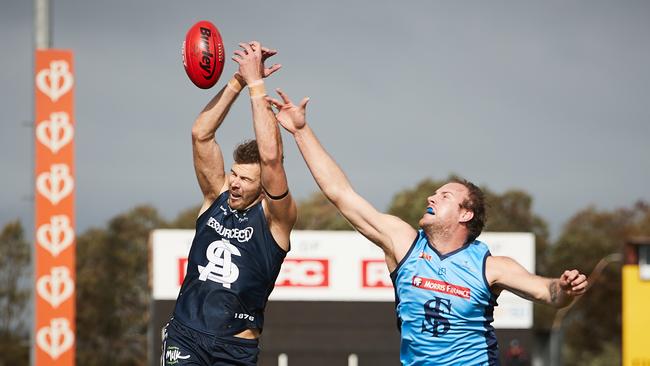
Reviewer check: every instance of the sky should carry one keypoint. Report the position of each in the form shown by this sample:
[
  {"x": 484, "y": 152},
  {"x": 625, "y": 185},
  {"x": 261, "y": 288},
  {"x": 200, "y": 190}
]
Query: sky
[{"x": 550, "y": 97}]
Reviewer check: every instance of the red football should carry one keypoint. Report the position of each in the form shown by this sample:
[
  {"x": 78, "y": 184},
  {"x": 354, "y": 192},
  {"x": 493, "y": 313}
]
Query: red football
[{"x": 203, "y": 54}]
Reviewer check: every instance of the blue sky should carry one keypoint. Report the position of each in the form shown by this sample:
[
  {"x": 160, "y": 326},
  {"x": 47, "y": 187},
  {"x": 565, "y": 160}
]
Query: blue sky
[{"x": 551, "y": 97}]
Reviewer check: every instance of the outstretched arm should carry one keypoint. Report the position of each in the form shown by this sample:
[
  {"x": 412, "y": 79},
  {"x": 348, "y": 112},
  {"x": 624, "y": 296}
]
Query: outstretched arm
[
  {"x": 506, "y": 273},
  {"x": 208, "y": 159},
  {"x": 279, "y": 206},
  {"x": 388, "y": 232}
]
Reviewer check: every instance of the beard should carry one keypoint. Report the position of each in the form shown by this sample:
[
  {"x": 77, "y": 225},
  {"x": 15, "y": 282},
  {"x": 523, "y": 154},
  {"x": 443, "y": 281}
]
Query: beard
[
  {"x": 435, "y": 228},
  {"x": 240, "y": 204},
  {"x": 244, "y": 200}
]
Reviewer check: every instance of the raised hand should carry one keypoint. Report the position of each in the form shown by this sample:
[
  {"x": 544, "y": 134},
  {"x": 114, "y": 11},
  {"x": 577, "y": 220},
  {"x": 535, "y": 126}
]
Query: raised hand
[
  {"x": 290, "y": 116},
  {"x": 251, "y": 60}
]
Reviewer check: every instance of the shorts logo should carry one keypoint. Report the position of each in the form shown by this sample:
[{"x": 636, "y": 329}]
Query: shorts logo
[
  {"x": 220, "y": 268},
  {"x": 173, "y": 354}
]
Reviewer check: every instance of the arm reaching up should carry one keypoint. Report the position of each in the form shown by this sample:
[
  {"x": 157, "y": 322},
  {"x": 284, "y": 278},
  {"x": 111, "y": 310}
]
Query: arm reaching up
[
  {"x": 390, "y": 233},
  {"x": 207, "y": 155},
  {"x": 279, "y": 206}
]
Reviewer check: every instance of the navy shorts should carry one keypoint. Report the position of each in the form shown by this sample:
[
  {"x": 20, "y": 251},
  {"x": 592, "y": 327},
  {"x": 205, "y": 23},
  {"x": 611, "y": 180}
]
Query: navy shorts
[{"x": 182, "y": 346}]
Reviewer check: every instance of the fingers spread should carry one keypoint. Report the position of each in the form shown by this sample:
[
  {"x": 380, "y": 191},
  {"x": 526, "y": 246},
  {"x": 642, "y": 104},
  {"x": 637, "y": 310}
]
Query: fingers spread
[
  {"x": 266, "y": 53},
  {"x": 272, "y": 69},
  {"x": 274, "y": 102},
  {"x": 256, "y": 47},
  {"x": 284, "y": 97},
  {"x": 303, "y": 102},
  {"x": 246, "y": 47}
]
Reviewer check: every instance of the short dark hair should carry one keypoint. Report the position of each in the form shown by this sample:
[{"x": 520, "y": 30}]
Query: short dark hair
[
  {"x": 475, "y": 202},
  {"x": 247, "y": 153}
]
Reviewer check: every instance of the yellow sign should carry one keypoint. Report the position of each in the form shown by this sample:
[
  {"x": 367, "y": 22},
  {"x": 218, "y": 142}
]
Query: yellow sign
[{"x": 636, "y": 318}]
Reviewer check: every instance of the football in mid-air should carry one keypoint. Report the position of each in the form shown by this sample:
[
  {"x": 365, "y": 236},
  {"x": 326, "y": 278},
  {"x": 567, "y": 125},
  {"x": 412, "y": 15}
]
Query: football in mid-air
[{"x": 203, "y": 54}]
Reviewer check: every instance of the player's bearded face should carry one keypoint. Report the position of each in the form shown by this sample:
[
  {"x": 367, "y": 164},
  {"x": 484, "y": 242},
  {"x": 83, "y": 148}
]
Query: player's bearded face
[
  {"x": 244, "y": 185},
  {"x": 443, "y": 210}
]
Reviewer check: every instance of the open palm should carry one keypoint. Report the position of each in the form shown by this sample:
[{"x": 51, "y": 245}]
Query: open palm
[{"x": 290, "y": 116}]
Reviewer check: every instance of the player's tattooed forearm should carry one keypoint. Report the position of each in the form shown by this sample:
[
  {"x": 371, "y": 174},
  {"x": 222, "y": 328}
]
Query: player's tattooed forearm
[{"x": 554, "y": 289}]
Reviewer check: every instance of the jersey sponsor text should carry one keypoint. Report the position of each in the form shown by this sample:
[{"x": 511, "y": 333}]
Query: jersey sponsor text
[
  {"x": 441, "y": 286},
  {"x": 239, "y": 234}
]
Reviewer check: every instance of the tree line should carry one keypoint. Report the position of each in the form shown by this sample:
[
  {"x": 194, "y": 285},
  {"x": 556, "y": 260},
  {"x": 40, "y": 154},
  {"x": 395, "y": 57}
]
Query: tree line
[{"x": 113, "y": 295}]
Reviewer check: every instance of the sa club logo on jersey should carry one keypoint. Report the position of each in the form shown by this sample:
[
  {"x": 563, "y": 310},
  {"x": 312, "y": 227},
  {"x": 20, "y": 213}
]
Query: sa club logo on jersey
[
  {"x": 220, "y": 268},
  {"x": 435, "y": 321}
]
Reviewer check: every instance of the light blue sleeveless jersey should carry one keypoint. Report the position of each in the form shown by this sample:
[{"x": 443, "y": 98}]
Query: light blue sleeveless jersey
[{"x": 444, "y": 306}]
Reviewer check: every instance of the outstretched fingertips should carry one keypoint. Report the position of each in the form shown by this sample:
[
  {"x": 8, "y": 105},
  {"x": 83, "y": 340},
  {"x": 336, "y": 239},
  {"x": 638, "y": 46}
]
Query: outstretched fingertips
[
  {"x": 268, "y": 52},
  {"x": 284, "y": 97},
  {"x": 273, "y": 102},
  {"x": 272, "y": 69}
]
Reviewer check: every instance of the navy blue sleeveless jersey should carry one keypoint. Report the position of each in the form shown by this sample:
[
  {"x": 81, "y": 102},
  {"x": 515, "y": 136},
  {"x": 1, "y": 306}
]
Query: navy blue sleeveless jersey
[
  {"x": 444, "y": 306},
  {"x": 231, "y": 270}
]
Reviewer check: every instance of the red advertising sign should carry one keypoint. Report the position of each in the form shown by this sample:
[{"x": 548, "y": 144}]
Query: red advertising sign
[
  {"x": 375, "y": 274},
  {"x": 304, "y": 273}
]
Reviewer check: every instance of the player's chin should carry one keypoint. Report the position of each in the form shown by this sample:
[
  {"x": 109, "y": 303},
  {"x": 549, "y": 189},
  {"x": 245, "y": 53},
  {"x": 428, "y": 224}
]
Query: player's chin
[
  {"x": 235, "y": 202},
  {"x": 240, "y": 202}
]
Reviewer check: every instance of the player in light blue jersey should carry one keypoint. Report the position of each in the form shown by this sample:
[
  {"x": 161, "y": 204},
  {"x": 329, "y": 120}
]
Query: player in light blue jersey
[{"x": 446, "y": 281}]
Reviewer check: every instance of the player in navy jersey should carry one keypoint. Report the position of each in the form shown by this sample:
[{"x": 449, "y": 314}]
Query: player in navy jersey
[
  {"x": 242, "y": 231},
  {"x": 446, "y": 282}
]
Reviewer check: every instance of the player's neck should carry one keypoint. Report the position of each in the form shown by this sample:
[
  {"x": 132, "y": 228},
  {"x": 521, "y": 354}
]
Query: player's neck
[
  {"x": 446, "y": 241},
  {"x": 254, "y": 203}
]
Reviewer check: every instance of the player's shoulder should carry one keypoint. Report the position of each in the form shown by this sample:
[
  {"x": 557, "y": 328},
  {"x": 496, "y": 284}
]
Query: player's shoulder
[
  {"x": 500, "y": 267},
  {"x": 403, "y": 239},
  {"x": 210, "y": 203},
  {"x": 480, "y": 247},
  {"x": 399, "y": 231}
]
